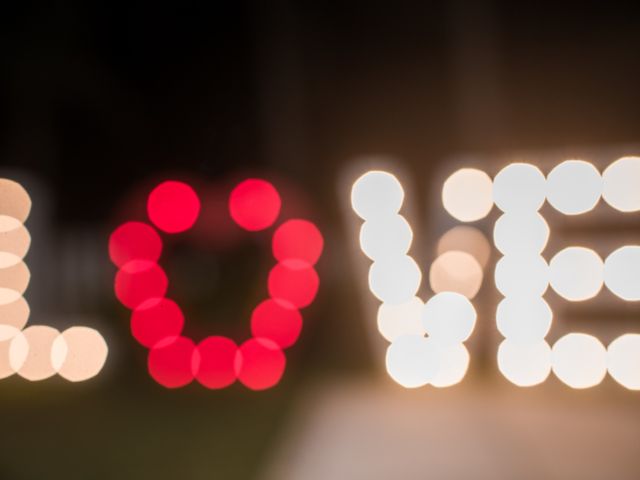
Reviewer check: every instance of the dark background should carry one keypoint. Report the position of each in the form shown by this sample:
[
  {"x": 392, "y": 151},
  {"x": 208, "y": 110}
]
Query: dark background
[{"x": 96, "y": 98}]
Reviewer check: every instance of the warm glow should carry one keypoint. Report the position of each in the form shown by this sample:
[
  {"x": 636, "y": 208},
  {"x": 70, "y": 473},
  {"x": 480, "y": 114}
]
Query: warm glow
[
  {"x": 520, "y": 275},
  {"x": 623, "y": 360},
  {"x": 467, "y": 195},
  {"x": 465, "y": 238},
  {"x": 79, "y": 353},
  {"x": 455, "y": 271},
  {"x": 401, "y": 319},
  {"x": 30, "y": 353},
  {"x": 14, "y": 200}
]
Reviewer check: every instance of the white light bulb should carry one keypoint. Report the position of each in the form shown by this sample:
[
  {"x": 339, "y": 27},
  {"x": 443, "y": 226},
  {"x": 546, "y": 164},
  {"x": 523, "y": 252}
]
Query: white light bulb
[
  {"x": 623, "y": 360},
  {"x": 524, "y": 320},
  {"x": 412, "y": 360},
  {"x": 395, "y": 280},
  {"x": 576, "y": 273},
  {"x": 376, "y": 194},
  {"x": 519, "y": 187},
  {"x": 579, "y": 360},
  {"x": 449, "y": 318},
  {"x": 622, "y": 272},
  {"x": 522, "y": 275},
  {"x": 620, "y": 184},
  {"x": 574, "y": 187},
  {"x": 520, "y": 233},
  {"x": 385, "y": 237},
  {"x": 524, "y": 365}
]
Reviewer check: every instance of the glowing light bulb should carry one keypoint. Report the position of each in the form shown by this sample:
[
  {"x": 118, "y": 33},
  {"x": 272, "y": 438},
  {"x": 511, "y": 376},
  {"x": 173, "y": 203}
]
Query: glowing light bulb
[
  {"x": 79, "y": 353},
  {"x": 579, "y": 360},
  {"x": 576, "y": 273},
  {"x": 623, "y": 358},
  {"x": 395, "y": 280},
  {"x": 464, "y": 238},
  {"x": 522, "y": 275},
  {"x": 524, "y": 320},
  {"x": 448, "y": 318},
  {"x": 519, "y": 187},
  {"x": 622, "y": 272},
  {"x": 453, "y": 365},
  {"x": 620, "y": 184},
  {"x": 455, "y": 271},
  {"x": 574, "y": 187},
  {"x": 385, "y": 237},
  {"x": 521, "y": 233},
  {"x": 376, "y": 194},
  {"x": 467, "y": 195},
  {"x": 524, "y": 365},
  {"x": 412, "y": 360},
  {"x": 401, "y": 319}
]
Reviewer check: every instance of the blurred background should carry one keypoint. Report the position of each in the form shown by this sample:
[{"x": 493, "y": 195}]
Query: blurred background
[{"x": 101, "y": 100}]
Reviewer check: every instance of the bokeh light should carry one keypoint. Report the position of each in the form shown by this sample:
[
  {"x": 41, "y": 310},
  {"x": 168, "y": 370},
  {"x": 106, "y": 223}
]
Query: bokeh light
[
  {"x": 622, "y": 272},
  {"x": 576, "y": 273},
  {"x": 277, "y": 320},
  {"x": 297, "y": 240},
  {"x": 6, "y": 368},
  {"x": 448, "y": 318},
  {"x": 524, "y": 365},
  {"x": 254, "y": 204},
  {"x": 173, "y": 207},
  {"x": 385, "y": 236},
  {"x": 574, "y": 187},
  {"x": 455, "y": 271},
  {"x": 623, "y": 360},
  {"x": 620, "y": 184},
  {"x": 171, "y": 362},
  {"x": 30, "y": 352},
  {"x": 14, "y": 200},
  {"x": 520, "y": 275},
  {"x": 216, "y": 368},
  {"x": 453, "y": 365},
  {"x": 467, "y": 194},
  {"x": 376, "y": 194},
  {"x": 138, "y": 281},
  {"x": 134, "y": 241},
  {"x": 294, "y": 281},
  {"x": 260, "y": 364},
  {"x": 395, "y": 280},
  {"x": 15, "y": 278},
  {"x": 401, "y": 319},
  {"x": 412, "y": 360},
  {"x": 521, "y": 233},
  {"x": 524, "y": 319},
  {"x": 579, "y": 360},
  {"x": 14, "y": 241},
  {"x": 519, "y": 187},
  {"x": 465, "y": 238},
  {"x": 15, "y": 314},
  {"x": 156, "y": 319},
  {"x": 79, "y": 353}
]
